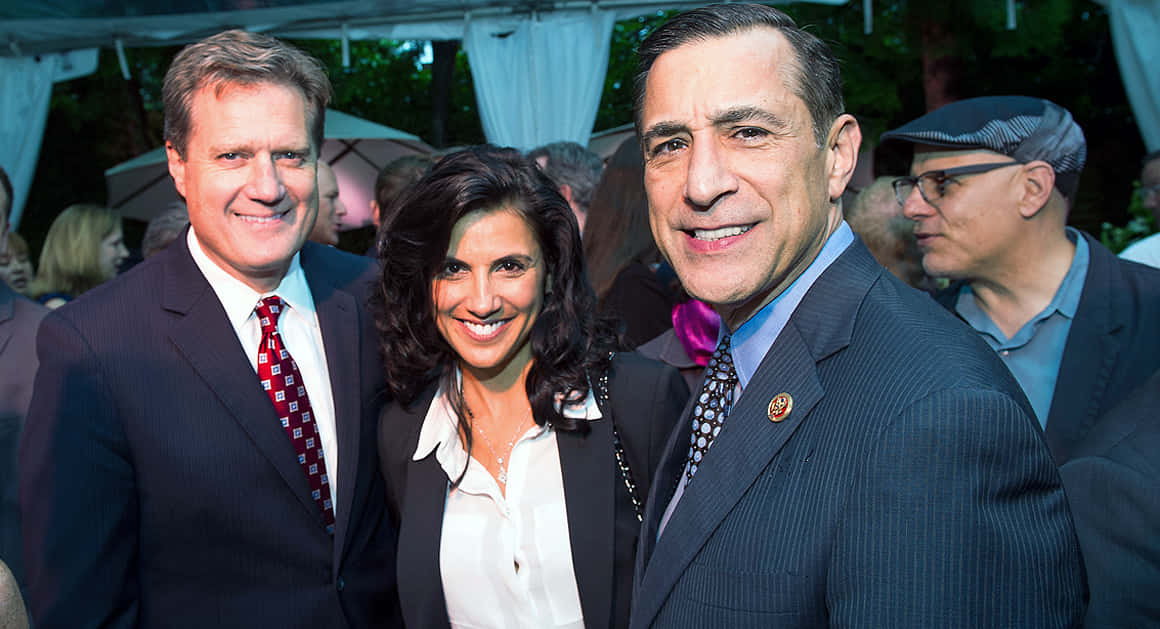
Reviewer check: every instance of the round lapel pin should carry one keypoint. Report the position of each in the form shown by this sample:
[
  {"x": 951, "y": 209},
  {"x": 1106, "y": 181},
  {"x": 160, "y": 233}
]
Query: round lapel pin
[{"x": 780, "y": 406}]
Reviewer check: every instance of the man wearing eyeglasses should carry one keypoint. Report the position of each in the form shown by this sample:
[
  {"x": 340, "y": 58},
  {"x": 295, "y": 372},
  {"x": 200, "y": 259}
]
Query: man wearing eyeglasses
[
  {"x": 1147, "y": 251},
  {"x": 992, "y": 181}
]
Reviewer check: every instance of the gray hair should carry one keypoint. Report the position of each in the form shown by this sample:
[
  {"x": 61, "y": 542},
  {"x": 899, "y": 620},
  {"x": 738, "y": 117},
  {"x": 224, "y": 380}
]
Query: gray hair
[
  {"x": 820, "y": 88},
  {"x": 239, "y": 57},
  {"x": 164, "y": 228},
  {"x": 572, "y": 164}
]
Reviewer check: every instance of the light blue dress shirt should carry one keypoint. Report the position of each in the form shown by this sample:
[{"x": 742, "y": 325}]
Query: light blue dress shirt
[
  {"x": 756, "y": 335},
  {"x": 1034, "y": 353}
]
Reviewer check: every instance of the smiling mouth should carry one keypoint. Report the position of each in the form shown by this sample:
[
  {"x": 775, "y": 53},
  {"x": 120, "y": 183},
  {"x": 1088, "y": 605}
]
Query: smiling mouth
[
  {"x": 260, "y": 220},
  {"x": 711, "y": 235},
  {"x": 484, "y": 331}
]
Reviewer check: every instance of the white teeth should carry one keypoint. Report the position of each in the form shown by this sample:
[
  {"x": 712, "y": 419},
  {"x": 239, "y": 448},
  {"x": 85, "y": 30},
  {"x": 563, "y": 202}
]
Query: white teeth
[
  {"x": 483, "y": 329},
  {"x": 718, "y": 234},
  {"x": 260, "y": 219}
]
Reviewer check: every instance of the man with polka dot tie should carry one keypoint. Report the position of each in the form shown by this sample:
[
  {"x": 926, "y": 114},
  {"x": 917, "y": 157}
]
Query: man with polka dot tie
[{"x": 201, "y": 447}]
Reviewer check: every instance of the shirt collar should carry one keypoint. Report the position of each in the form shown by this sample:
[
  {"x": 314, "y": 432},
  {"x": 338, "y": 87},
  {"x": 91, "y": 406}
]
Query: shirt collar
[
  {"x": 239, "y": 300},
  {"x": 1065, "y": 301},
  {"x": 440, "y": 431},
  {"x": 756, "y": 335}
]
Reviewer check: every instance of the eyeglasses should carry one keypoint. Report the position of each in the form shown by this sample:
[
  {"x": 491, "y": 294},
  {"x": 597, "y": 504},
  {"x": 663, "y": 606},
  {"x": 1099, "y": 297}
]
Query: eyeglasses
[{"x": 932, "y": 185}]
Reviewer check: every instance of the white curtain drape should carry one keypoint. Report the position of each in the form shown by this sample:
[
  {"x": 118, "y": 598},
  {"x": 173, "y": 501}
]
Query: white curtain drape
[
  {"x": 1136, "y": 36},
  {"x": 539, "y": 80},
  {"x": 25, "y": 90}
]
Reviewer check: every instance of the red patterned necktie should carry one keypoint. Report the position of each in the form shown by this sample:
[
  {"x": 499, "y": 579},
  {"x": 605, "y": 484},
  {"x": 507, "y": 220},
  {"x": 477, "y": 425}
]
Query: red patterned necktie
[{"x": 279, "y": 376}]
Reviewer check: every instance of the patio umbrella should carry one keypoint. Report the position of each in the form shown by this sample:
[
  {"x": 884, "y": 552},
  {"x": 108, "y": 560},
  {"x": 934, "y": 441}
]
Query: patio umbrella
[{"x": 355, "y": 148}]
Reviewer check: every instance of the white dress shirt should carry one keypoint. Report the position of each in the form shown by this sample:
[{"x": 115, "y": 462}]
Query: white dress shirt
[
  {"x": 300, "y": 333},
  {"x": 505, "y": 561}
]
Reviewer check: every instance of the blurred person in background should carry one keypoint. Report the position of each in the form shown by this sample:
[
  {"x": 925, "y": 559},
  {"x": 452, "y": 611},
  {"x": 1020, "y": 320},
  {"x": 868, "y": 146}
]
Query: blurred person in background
[
  {"x": 625, "y": 268},
  {"x": 330, "y": 207},
  {"x": 574, "y": 169},
  {"x": 1147, "y": 250},
  {"x": 83, "y": 249},
  {"x": 394, "y": 179},
  {"x": 19, "y": 319},
  {"x": 877, "y": 218},
  {"x": 164, "y": 228},
  {"x": 16, "y": 266}
]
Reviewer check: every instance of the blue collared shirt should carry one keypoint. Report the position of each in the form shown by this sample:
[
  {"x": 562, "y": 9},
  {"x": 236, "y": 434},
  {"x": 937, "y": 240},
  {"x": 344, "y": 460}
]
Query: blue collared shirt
[
  {"x": 1034, "y": 353},
  {"x": 756, "y": 335}
]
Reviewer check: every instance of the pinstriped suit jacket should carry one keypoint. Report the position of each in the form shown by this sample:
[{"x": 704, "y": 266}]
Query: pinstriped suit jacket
[
  {"x": 910, "y": 485},
  {"x": 157, "y": 486}
]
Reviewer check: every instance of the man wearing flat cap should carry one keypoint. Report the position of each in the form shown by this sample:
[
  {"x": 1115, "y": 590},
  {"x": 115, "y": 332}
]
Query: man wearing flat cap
[{"x": 991, "y": 184}]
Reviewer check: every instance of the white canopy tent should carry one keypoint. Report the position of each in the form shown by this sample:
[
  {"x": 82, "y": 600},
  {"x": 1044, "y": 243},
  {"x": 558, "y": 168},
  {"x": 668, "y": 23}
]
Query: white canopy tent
[{"x": 538, "y": 66}]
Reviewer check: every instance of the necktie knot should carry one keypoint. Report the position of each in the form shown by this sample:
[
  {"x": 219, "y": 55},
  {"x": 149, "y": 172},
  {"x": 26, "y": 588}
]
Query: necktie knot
[{"x": 269, "y": 309}]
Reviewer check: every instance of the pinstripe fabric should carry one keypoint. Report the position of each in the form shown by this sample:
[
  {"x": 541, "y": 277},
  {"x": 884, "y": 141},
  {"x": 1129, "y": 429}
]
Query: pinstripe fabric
[{"x": 910, "y": 486}]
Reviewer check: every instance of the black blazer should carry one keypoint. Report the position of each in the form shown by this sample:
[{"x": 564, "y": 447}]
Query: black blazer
[
  {"x": 646, "y": 399},
  {"x": 1113, "y": 487},
  {"x": 1113, "y": 345},
  {"x": 157, "y": 486}
]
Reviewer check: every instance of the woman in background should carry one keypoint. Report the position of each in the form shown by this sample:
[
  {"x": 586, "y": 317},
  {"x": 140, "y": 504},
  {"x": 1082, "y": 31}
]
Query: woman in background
[
  {"x": 15, "y": 265},
  {"x": 517, "y": 451},
  {"x": 626, "y": 269},
  {"x": 82, "y": 250}
]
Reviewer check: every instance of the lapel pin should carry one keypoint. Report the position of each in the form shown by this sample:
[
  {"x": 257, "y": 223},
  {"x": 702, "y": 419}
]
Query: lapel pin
[{"x": 779, "y": 407}]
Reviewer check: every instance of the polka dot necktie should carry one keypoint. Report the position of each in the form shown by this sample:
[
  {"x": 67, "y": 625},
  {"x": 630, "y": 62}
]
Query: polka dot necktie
[
  {"x": 712, "y": 406},
  {"x": 281, "y": 380}
]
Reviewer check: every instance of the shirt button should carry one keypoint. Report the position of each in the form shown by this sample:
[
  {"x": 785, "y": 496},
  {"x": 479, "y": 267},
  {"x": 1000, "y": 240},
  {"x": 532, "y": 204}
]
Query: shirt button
[
  {"x": 340, "y": 584},
  {"x": 1005, "y": 352}
]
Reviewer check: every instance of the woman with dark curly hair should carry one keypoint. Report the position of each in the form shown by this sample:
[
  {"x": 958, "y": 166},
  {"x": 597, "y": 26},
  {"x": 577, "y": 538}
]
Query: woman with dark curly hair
[{"x": 519, "y": 447}]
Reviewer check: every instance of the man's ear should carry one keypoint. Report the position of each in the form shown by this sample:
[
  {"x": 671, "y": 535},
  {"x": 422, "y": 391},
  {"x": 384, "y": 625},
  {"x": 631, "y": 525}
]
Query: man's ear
[
  {"x": 176, "y": 168},
  {"x": 1034, "y": 186},
  {"x": 842, "y": 146}
]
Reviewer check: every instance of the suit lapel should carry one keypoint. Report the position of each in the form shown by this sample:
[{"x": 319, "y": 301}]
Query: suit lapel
[
  {"x": 589, "y": 471},
  {"x": 747, "y": 443},
  {"x": 1081, "y": 383},
  {"x": 420, "y": 534},
  {"x": 338, "y": 317},
  {"x": 204, "y": 336}
]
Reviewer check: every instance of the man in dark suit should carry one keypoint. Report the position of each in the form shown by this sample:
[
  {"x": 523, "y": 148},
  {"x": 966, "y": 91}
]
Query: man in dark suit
[
  {"x": 19, "y": 319},
  {"x": 200, "y": 448},
  {"x": 990, "y": 188},
  {"x": 1113, "y": 486},
  {"x": 856, "y": 457}
]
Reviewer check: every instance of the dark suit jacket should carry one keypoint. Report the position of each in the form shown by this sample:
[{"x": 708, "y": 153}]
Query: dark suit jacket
[
  {"x": 646, "y": 399},
  {"x": 19, "y": 319},
  {"x": 1113, "y": 345},
  {"x": 158, "y": 487},
  {"x": 1113, "y": 486},
  {"x": 909, "y": 485}
]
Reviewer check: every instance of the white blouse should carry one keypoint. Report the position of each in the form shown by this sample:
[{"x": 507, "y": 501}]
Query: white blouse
[{"x": 505, "y": 561}]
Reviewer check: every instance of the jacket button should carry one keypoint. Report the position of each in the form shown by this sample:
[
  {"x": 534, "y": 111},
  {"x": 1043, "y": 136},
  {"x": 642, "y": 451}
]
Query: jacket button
[{"x": 340, "y": 584}]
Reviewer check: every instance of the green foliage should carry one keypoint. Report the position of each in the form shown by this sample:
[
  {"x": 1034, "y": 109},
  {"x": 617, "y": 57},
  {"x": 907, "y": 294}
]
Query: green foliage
[
  {"x": 388, "y": 83},
  {"x": 1142, "y": 223},
  {"x": 616, "y": 102}
]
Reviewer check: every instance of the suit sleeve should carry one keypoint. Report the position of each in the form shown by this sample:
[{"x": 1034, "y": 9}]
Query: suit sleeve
[
  {"x": 77, "y": 491},
  {"x": 958, "y": 520},
  {"x": 1117, "y": 515}
]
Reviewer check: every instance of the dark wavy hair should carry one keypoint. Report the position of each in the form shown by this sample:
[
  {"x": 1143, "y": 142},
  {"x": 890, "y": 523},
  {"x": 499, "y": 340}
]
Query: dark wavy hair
[{"x": 569, "y": 341}]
